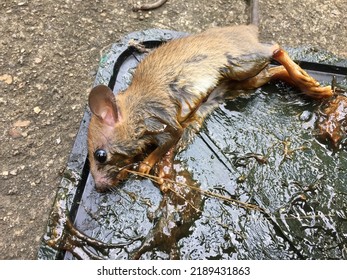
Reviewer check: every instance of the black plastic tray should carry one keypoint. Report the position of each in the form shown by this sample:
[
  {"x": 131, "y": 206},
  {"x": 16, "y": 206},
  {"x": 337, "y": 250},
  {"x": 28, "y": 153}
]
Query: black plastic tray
[{"x": 90, "y": 211}]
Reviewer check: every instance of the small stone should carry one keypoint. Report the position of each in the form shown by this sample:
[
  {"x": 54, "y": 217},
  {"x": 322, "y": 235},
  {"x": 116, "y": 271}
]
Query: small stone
[
  {"x": 37, "y": 110},
  {"x": 12, "y": 191},
  {"x": 38, "y": 60},
  {"x": 13, "y": 172},
  {"x": 38, "y": 181},
  {"x": 4, "y": 173},
  {"x": 58, "y": 140},
  {"x": 134, "y": 16},
  {"x": 21, "y": 85},
  {"x": 18, "y": 232},
  {"x": 24, "y": 134},
  {"x": 335, "y": 12},
  {"x": 39, "y": 86},
  {"x": 3, "y": 101}
]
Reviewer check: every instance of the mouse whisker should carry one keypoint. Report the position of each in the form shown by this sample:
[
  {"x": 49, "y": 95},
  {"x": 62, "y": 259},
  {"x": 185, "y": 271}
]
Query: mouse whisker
[{"x": 205, "y": 193}]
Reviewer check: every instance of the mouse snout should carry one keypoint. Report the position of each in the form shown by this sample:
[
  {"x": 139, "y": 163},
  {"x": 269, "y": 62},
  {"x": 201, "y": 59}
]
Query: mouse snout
[{"x": 105, "y": 182}]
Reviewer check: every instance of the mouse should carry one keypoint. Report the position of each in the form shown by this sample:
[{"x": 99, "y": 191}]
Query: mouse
[{"x": 172, "y": 91}]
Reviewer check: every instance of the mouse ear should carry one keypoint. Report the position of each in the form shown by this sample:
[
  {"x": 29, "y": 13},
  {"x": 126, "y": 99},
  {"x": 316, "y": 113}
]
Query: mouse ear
[{"x": 103, "y": 104}]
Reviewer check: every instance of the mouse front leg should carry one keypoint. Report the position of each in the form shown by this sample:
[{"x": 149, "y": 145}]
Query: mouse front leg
[{"x": 147, "y": 164}]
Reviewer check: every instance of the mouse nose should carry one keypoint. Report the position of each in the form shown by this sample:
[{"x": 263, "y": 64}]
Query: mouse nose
[
  {"x": 102, "y": 183},
  {"x": 105, "y": 181},
  {"x": 102, "y": 188},
  {"x": 105, "y": 186}
]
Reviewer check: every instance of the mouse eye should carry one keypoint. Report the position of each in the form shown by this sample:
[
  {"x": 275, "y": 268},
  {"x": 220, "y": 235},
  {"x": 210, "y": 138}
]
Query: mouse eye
[{"x": 100, "y": 155}]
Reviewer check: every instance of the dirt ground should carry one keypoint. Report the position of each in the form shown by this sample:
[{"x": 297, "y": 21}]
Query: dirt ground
[{"x": 49, "y": 53}]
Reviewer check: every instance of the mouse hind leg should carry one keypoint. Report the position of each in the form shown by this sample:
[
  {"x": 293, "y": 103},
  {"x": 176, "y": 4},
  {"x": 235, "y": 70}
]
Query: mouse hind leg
[
  {"x": 299, "y": 78},
  {"x": 262, "y": 78},
  {"x": 290, "y": 73}
]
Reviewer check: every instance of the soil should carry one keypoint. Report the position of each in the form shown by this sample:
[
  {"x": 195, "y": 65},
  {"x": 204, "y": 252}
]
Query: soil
[{"x": 49, "y": 53}]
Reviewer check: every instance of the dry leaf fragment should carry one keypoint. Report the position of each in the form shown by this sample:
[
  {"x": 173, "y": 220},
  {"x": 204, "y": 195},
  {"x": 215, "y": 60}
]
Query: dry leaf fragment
[
  {"x": 8, "y": 79},
  {"x": 21, "y": 123}
]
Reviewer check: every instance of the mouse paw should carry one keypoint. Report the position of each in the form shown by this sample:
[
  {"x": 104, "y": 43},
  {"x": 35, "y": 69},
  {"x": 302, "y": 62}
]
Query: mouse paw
[
  {"x": 145, "y": 167},
  {"x": 300, "y": 78},
  {"x": 165, "y": 185},
  {"x": 319, "y": 92}
]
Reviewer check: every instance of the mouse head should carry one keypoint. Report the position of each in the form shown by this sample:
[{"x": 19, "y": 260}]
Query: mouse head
[{"x": 113, "y": 144}]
